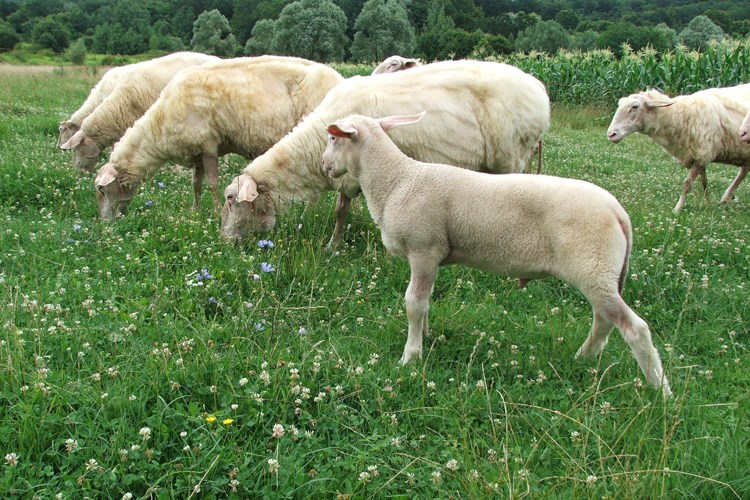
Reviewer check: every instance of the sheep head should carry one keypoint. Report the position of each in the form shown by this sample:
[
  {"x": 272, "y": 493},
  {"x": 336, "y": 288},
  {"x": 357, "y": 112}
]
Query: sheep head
[
  {"x": 112, "y": 195},
  {"x": 396, "y": 63},
  {"x": 86, "y": 150},
  {"x": 632, "y": 113},
  {"x": 341, "y": 155},
  {"x": 67, "y": 128},
  {"x": 248, "y": 208}
]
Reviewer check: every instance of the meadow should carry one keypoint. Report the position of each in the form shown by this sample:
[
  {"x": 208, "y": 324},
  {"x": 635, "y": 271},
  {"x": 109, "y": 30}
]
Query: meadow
[{"x": 147, "y": 358}]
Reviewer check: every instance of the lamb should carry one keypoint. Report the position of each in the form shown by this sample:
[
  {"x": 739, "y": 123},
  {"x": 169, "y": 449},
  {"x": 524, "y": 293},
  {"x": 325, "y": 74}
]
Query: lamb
[
  {"x": 695, "y": 129},
  {"x": 241, "y": 105},
  {"x": 745, "y": 129},
  {"x": 396, "y": 63},
  {"x": 98, "y": 93},
  {"x": 135, "y": 93},
  {"x": 481, "y": 115},
  {"x": 524, "y": 226}
]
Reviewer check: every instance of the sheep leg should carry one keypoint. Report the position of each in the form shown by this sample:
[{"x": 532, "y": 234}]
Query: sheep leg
[
  {"x": 342, "y": 207},
  {"x": 198, "y": 173},
  {"x": 636, "y": 333},
  {"x": 211, "y": 165},
  {"x": 418, "y": 293},
  {"x": 736, "y": 182},
  {"x": 694, "y": 171},
  {"x": 598, "y": 337}
]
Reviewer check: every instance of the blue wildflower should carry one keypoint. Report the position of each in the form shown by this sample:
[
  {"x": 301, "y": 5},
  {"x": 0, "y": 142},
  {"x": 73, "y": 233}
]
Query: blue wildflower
[
  {"x": 206, "y": 274},
  {"x": 161, "y": 185},
  {"x": 266, "y": 267},
  {"x": 149, "y": 203},
  {"x": 265, "y": 244},
  {"x": 259, "y": 326},
  {"x": 76, "y": 227},
  {"x": 212, "y": 300}
]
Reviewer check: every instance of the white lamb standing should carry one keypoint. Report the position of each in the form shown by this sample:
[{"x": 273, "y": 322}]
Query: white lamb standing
[
  {"x": 135, "y": 93},
  {"x": 481, "y": 116},
  {"x": 242, "y": 105},
  {"x": 745, "y": 129},
  {"x": 396, "y": 63},
  {"x": 695, "y": 129},
  {"x": 98, "y": 93},
  {"x": 523, "y": 226}
]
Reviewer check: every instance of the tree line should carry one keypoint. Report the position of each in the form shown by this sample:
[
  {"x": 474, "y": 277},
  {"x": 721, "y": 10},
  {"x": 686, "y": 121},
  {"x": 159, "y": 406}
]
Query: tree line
[{"x": 368, "y": 30}]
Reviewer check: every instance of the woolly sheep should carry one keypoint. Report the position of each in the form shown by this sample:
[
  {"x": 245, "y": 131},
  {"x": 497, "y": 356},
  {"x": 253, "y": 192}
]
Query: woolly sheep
[
  {"x": 241, "y": 105},
  {"x": 128, "y": 101},
  {"x": 745, "y": 129},
  {"x": 393, "y": 64},
  {"x": 524, "y": 226},
  {"x": 98, "y": 93},
  {"x": 481, "y": 115},
  {"x": 695, "y": 129}
]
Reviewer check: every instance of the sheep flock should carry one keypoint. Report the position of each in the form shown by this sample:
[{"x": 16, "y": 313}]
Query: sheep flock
[{"x": 441, "y": 151}]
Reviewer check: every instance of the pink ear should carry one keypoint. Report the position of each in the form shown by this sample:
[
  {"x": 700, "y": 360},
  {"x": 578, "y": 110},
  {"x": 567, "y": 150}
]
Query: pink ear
[
  {"x": 394, "y": 121},
  {"x": 345, "y": 132},
  {"x": 73, "y": 141},
  {"x": 248, "y": 190},
  {"x": 107, "y": 175}
]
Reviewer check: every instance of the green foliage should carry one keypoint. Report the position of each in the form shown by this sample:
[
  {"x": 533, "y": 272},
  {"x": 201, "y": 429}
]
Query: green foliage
[
  {"x": 122, "y": 377},
  {"x": 382, "y": 29},
  {"x": 8, "y": 36},
  {"x": 700, "y": 32},
  {"x": 434, "y": 41},
  {"x": 213, "y": 35},
  {"x": 311, "y": 29},
  {"x": 76, "y": 52},
  {"x": 544, "y": 36},
  {"x": 50, "y": 34},
  {"x": 261, "y": 40}
]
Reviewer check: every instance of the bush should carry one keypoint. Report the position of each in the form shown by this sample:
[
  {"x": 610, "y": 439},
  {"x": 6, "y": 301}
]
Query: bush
[{"x": 76, "y": 53}]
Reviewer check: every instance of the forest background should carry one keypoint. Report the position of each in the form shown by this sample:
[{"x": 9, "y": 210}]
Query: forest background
[{"x": 359, "y": 30}]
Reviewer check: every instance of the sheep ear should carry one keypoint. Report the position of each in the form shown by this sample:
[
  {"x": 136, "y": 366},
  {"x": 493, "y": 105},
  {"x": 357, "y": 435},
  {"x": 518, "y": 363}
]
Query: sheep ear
[
  {"x": 394, "y": 121},
  {"x": 248, "y": 191},
  {"x": 410, "y": 63},
  {"x": 106, "y": 176},
  {"x": 651, "y": 104},
  {"x": 347, "y": 132},
  {"x": 73, "y": 141}
]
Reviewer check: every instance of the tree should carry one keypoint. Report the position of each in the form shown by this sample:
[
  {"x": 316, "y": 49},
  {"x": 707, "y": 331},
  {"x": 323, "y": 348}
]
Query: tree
[
  {"x": 313, "y": 29},
  {"x": 212, "y": 35},
  {"x": 434, "y": 42},
  {"x": 382, "y": 29},
  {"x": 544, "y": 36},
  {"x": 50, "y": 34},
  {"x": 261, "y": 38},
  {"x": 699, "y": 32},
  {"x": 568, "y": 19},
  {"x": 585, "y": 41},
  {"x": 8, "y": 36},
  {"x": 76, "y": 52}
]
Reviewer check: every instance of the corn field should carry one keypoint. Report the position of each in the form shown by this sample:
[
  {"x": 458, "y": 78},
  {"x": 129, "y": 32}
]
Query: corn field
[{"x": 598, "y": 77}]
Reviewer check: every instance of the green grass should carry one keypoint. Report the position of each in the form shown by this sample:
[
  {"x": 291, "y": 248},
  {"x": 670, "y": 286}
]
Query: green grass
[{"x": 105, "y": 331}]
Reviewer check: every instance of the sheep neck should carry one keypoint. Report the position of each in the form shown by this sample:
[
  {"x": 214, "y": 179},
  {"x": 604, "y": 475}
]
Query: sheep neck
[{"x": 382, "y": 169}]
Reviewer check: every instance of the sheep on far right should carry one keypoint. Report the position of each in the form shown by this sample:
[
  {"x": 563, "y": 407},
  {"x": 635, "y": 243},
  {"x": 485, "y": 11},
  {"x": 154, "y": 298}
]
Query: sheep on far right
[
  {"x": 695, "y": 129},
  {"x": 745, "y": 129}
]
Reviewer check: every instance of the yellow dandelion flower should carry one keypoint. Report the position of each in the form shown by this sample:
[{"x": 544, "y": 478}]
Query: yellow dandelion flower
[
  {"x": 227, "y": 421},
  {"x": 210, "y": 419}
]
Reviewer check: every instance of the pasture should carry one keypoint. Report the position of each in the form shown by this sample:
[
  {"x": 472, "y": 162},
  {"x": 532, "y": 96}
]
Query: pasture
[{"x": 148, "y": 358}]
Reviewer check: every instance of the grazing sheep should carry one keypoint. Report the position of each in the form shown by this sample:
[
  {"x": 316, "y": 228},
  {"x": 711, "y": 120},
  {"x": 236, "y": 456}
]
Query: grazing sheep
[
  {"x": 695, "y": 129},
  {"x": 135, "y": 93},
  {"x": 481, "y": 115},
  {"x": 98, "y": 93},
  {"x": 745, "y": 129},
  {"x": 523, "y": 226},
  {"x": 241, "y": 105},
  {"x": 396, "y": 63}
]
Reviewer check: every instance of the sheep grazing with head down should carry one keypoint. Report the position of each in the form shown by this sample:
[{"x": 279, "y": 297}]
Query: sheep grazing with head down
[
  {"x": 745, "y": 129},
  {"x": 695, "y": 129},
  {"x": 481, "y": 116},
  {"x": 517, "y": 225},
  {"x": 135, "y": 93},
  {"x": 396, "y": 63},
  {"x": 98, "y": 93},
  {"x": 242, "y": 105}
]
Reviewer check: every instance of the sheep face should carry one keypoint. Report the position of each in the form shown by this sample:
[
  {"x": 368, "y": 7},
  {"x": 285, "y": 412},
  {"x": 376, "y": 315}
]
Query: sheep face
[
  {"x": 395, "y": 63},
  {"x": 745, "y": 130},
  {"x": 631, "y": 115},
  {"x": 111, "y": 195},
  {"x": 86, "y": 150},
  {"x": 67, "y": 128},
  {"x": 247, "y": 209},
  {"x": 340, "y": 156}
]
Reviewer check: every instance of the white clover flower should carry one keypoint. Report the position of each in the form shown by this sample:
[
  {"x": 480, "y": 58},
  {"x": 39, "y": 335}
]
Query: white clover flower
[
  {"x": 243, "y": 381},
  {"x": 364, "y": 477},
  {"x": 278, "y": 431},
  {"x": 71, "y": 444},
  {"x": 452, "y": 464},
  {"x": 591, "y": 479},
  {"x": 273, "y": 465},
  {"x": 11, "y": 459},
  {"x": 436, "y": 477},
  {"x": 145, "y": 433}
]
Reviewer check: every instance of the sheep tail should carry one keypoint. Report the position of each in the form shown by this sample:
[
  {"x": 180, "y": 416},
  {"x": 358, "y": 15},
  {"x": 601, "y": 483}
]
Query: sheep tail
[
  {"x": 628, "y": 242},
  {"x": 539, "y": 159}
]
